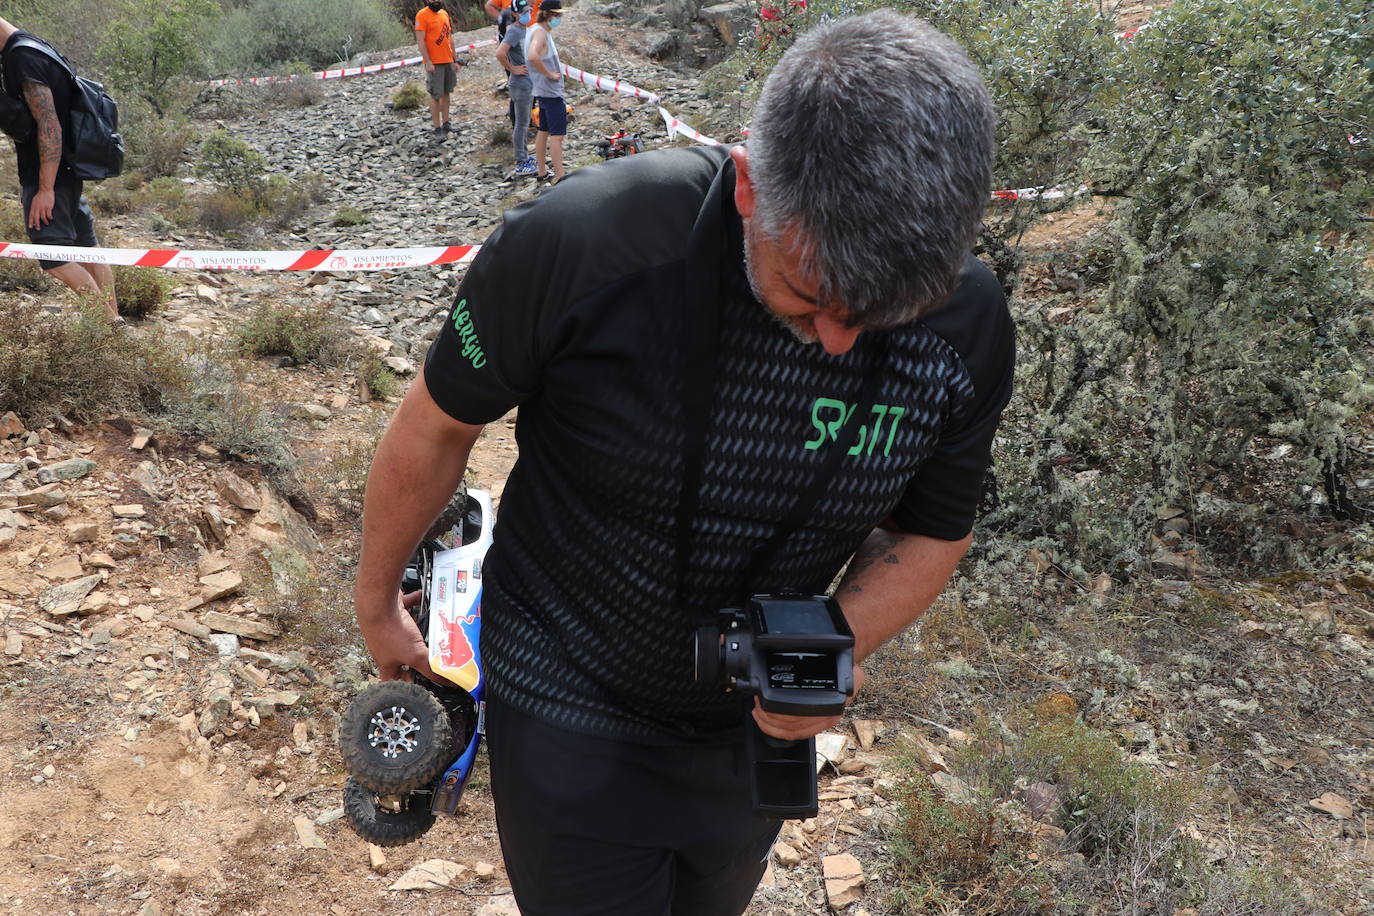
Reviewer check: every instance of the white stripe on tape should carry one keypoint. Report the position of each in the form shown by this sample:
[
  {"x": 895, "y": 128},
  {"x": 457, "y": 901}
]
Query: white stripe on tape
[
  {"x": 605, "y": 84},
  {"x": 1040, "y": 193},
  {"x": 676, "y": 127},
  {"x": 316, "y": 259}
]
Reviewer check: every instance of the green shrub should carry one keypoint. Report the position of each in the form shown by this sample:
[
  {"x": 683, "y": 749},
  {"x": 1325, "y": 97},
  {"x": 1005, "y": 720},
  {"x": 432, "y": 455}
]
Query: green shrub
[
  {"x": 469, "y": 17},
  {"x": 301, "y": 91},
  {"x": 283, "y": 201},
  {"x": 225, "y": 211},
  {"x": 409, "y": 96},
  {"x": 1216, "y": 357},
  {"x": 211, "y": 401},
  {"x": 77, "y": 362},
  {"x": 163, "y": 194},
  {"x": 349, "y": 216},
  {"x": 381, "y": 383},
  {"x": 77, "y": 28},
  {"x": 1111, "y": 805},
  {"x": 307, "y": 334},
  {"x": 156, "y": 144},
  {"x": 232, "y": 163},
  {"x": 963, "y": 858},
  {"x": 141, "y": 291},
  {"x": 250, "y": 193},
  {"x": 262, "y": 33},
  {"x": 112, "y": 200}
]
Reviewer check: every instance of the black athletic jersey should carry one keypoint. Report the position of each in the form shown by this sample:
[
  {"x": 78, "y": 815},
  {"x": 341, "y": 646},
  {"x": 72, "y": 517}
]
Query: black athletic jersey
[
  {"x": 25, "y": 65},
  {"x": 578, "y": 309}
]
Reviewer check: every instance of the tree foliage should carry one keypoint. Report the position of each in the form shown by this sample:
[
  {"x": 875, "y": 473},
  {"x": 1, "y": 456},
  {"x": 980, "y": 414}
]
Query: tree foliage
[
  {"x": 264, "y": 33},
  {"x": 1216, "y": 349},
  {"x": 155, "y": 45}
]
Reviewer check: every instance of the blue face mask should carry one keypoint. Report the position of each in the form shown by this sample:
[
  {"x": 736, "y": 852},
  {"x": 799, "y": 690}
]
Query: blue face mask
[
  {"x": 553, "y": 23},
  {"x": 525, "y": 18}
]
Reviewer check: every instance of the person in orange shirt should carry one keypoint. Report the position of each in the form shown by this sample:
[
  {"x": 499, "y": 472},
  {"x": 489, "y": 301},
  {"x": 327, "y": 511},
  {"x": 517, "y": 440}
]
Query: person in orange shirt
[
  {"x": 500, "y": 12},
  {"x": 434, "y": 34}
]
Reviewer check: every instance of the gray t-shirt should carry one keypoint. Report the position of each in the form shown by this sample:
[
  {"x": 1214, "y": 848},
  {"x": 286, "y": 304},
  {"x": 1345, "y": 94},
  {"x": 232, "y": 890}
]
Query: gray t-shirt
[
  {"x": 515, "y": 39},
  {"x": 545, "y": 88}
]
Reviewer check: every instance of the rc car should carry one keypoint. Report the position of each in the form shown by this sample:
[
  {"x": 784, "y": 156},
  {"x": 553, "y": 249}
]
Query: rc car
[
  {"x": 409, "y": 747},
  {"x": 621, "y": 143}
]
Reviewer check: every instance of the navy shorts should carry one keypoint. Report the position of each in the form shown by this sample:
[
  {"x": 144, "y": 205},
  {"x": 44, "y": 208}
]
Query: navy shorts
[
  {"x": 595, "y": 827},
  {"x": 71, "y": 225},
  {"x": 553, "y": 116}
]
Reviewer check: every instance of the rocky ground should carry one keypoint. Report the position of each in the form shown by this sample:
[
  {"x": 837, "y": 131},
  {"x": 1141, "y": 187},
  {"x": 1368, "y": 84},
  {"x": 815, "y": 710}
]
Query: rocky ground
[{"x": 177, "y": 646}]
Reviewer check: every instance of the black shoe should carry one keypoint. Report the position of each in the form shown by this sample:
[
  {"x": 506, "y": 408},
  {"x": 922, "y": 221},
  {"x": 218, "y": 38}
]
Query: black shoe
[
  {"x": 447, "y": 128},
  {"x": 439, "y": 133}
]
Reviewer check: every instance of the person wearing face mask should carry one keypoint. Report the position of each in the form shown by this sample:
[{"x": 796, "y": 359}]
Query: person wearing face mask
[
  {"x": 547, "y": 76},
  {"x": 434, "y": 35},
  {"x": 511, "y": 55},
  {"x": 503, "y": 14}
]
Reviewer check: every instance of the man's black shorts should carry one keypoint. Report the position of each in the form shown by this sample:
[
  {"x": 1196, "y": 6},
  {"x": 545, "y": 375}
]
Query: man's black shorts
[
  {"x": 595, "y": 827},
  {"x": 553, "y": 115},
  {"x": 71, "y": 223}
]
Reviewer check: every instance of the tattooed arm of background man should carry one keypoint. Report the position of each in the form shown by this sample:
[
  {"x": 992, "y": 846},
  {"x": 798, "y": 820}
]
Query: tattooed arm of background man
[{"x": 48, "y": 129}]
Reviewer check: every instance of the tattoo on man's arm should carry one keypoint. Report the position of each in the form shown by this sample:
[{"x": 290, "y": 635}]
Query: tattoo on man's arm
[
  {"x": 879, "y": 549},
  {"x": 49, "y": 128}
]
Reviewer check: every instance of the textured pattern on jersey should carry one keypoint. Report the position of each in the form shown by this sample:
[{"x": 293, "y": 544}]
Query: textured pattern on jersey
[{"x": 580, "y": 627}]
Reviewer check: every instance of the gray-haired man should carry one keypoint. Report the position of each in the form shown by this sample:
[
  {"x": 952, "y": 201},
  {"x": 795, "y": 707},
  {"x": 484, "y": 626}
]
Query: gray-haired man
[{"x": 786, "y": 291}]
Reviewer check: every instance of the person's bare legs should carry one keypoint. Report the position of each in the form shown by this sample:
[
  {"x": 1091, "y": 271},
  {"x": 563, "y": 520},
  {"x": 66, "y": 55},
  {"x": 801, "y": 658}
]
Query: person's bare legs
[
  {"x": 434, "y": 111},
  {"x": 541, "y": 143},
  {"x": 89, "y": 279},
  {"x": 104, "y": 278},
  {"x": 556, "y": 154},
  {"x": 446, "y": 103}
]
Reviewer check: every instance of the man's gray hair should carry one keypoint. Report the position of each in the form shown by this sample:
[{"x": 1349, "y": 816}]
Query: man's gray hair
[{"x": 871, "y": 151}]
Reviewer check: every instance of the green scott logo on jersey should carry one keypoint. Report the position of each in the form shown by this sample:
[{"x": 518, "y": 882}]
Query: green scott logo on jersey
[
  {"x": 462, "y": 323},
  {"x": 829, "y": 416}
]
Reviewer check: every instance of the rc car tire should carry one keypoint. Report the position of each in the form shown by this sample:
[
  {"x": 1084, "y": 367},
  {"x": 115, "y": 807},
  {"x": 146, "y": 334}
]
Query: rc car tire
[
  {"x": 395, "y": 737},
  {"x": 386, "y": 828}
]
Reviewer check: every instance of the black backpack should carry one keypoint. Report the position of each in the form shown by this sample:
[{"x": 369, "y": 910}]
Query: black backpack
[{"x": 92, "y": 144}]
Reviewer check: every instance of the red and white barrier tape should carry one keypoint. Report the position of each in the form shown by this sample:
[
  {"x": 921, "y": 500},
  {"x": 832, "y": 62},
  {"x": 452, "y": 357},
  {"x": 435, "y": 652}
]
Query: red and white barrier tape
[
  {"x": 344, "y": 71},
  {"x": 319, "y": 259},
  {"x": 676, "y": 127},
  {"x": 606, "y": 84},
  {"x": 1040, "y": 193}
]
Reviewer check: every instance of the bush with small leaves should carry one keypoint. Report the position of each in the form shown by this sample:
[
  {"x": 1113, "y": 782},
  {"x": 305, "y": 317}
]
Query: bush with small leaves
[
  {"x": 229, "y": 161},
  {"x": 349, "y": 216},
  {"x": 409, "y": 97},
  {"x": 381, "y": 383},
  {"x": 306, "y": 334},
  {"x": 141, "y": 291},
  {"x": 225, "y": 211}
]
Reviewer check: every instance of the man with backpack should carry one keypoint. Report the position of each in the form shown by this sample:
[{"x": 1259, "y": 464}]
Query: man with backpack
[{"x": 55, "y": 212}]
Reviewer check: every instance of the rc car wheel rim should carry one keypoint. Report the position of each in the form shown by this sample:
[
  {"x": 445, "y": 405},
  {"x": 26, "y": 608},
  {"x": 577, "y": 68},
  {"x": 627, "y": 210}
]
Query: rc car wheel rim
[{"x": 394, "y": 731}]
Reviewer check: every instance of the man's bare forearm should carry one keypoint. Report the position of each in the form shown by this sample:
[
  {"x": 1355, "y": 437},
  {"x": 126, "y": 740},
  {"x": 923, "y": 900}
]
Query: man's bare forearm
[
  {"x": 48, "y": 129},
  {"x": 424, "y": 47},
  {"x": 418, "y": 465},
  {"x": 893, "y": 578}
]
